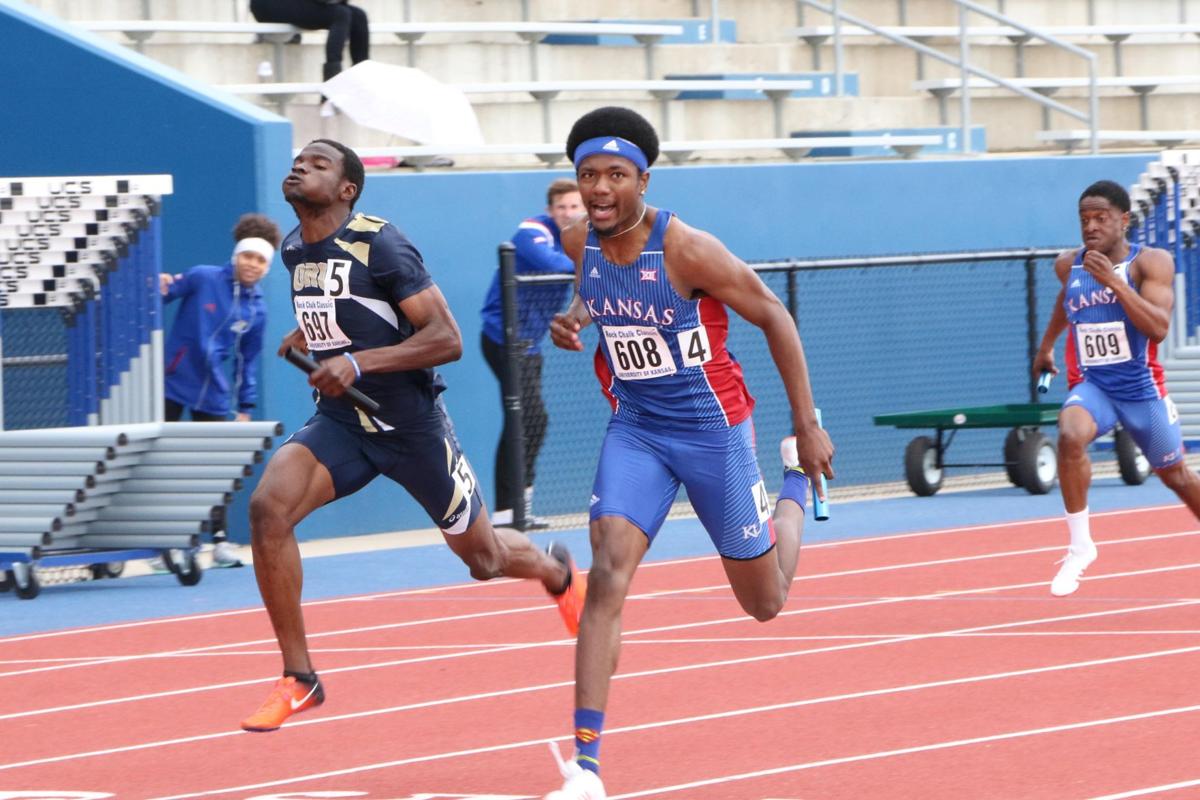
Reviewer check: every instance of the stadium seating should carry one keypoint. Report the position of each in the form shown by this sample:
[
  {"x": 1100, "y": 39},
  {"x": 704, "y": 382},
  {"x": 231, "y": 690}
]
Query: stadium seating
[{"x": 215, "y": 43}]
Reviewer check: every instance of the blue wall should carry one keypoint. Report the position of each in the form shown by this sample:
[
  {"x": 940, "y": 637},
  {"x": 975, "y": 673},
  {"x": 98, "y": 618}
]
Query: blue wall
[
  {"x": 760, "y": 212},
  {"x": 90, "y": 107}
]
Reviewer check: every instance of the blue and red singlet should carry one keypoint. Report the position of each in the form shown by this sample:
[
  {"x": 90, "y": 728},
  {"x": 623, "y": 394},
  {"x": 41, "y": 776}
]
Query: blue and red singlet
[{"x": 662, "y": 360}]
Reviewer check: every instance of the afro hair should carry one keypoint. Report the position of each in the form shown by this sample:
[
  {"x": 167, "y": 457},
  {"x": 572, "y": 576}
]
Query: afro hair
[{"x": 614, "y": 121}]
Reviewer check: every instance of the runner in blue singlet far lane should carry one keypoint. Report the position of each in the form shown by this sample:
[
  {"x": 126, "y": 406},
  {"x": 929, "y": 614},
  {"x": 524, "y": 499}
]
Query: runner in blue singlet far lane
[{"x": 1116, "y": 305}]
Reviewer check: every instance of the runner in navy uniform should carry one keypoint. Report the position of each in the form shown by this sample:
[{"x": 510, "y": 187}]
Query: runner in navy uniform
[
  {"x": 1116, "y": 305},
  {"x": 658, "y": 289},
  {"x": 372, "y": 317}
]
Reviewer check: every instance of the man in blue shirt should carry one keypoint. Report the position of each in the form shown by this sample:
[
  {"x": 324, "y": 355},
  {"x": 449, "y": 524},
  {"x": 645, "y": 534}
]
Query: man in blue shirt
[
  {"x": 538, "y": 243},
  {"x": 222, "y": 316}
]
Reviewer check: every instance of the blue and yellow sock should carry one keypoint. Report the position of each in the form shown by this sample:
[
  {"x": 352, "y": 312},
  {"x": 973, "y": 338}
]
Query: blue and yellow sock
[
  {"x": 795, "y": 487},
  {"x": 589, "y": 724}
]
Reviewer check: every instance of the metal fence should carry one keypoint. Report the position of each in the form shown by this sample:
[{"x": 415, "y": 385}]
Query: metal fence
[{"x": 881, "y": 334}]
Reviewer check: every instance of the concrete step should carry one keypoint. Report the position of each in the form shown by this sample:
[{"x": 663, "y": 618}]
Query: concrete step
[
  {"x": 521, "y": 121},
  {"x": 1030, "y": 12},
  {"x": 225, "y": 59}
]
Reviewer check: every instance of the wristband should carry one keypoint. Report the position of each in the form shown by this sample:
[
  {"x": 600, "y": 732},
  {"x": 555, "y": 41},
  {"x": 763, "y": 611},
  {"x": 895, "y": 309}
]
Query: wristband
[{"x": 357, "y": 370}]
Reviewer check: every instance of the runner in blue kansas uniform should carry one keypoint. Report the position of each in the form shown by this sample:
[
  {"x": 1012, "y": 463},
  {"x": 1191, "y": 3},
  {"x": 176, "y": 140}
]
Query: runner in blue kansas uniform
[
  {"x": 372, "y": 317},
  {"x": 658, "y": 289},
  {"x": 1115, "y": 305}
]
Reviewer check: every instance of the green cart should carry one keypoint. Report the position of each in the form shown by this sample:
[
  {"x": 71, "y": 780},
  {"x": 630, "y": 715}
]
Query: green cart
[{"x": 1029, "y": 456}]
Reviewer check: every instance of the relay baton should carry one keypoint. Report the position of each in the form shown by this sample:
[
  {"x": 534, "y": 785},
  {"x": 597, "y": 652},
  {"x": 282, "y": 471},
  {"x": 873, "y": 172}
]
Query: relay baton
[
  {"x": 820, "y": 507},
  {"x": 309, "y": 366},
  {"x": 1044, "y": 382}
]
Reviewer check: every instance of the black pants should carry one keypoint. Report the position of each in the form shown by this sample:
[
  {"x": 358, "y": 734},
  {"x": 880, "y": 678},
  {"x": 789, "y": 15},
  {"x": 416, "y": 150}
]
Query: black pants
[
  {"x": 343, "y": 21},
  {"x": 534, "y": 420},
  {"x": 173, "y": 412}
]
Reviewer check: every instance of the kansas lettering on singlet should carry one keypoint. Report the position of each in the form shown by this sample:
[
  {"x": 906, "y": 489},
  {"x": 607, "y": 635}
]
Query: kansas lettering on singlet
[
  {"x": 346, "y": 292},
  {"x": 1103, "y": 346},
  {"x": 661, "y": 359}
]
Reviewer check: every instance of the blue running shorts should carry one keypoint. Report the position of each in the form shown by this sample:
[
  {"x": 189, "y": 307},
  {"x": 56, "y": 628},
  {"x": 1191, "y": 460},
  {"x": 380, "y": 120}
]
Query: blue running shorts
[
  {"x": 428, "y": 463},
  {"x": 640, "y": 472},
  {"x": 1153, "y": 424}
]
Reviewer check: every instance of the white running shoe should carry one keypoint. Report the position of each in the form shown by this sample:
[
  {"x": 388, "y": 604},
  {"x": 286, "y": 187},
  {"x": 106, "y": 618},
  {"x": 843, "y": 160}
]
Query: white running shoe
[
  {"x": 578, "y": 783},
  {"x": 787, "y": 452},
  {"x": 1073, "y": 565},
  {"x": 225, "y": 554}
]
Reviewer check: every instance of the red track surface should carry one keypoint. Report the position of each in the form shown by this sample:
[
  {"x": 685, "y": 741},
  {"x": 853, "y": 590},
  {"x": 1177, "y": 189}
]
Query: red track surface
[{"x": 920, "y": 666}]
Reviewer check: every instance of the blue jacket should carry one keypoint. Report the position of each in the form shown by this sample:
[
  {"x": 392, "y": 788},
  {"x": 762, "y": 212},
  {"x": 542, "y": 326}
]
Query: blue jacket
[
  {"x": 217, "y": 319},
  {"x": 538, "y": 242}
]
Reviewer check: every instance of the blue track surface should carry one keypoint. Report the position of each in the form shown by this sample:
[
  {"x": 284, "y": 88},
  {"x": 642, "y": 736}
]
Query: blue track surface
[{"x": 114, "y": 601}]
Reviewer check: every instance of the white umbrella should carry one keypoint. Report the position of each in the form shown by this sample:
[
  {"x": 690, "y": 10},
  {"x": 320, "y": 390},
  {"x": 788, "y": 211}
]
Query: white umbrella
[{"x": 406, "y": 102}]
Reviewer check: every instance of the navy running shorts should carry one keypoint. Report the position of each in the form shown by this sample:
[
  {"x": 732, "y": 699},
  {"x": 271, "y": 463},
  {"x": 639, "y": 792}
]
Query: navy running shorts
[{"x": 428, "y": 463}]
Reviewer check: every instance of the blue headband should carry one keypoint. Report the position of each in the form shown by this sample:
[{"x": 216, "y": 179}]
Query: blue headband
[{"x": 613, "y": 146}]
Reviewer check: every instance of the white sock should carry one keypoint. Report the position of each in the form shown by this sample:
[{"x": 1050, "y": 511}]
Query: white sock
[{"x": 1081, "y": 535}]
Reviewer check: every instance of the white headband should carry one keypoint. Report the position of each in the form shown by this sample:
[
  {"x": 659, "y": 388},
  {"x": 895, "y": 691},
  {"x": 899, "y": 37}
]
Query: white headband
[{"x": 254, "y": 244}]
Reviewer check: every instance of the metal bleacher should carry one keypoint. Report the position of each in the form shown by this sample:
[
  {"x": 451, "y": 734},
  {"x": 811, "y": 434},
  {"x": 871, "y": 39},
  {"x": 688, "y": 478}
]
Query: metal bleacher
[{"x": 89, "y": 474}]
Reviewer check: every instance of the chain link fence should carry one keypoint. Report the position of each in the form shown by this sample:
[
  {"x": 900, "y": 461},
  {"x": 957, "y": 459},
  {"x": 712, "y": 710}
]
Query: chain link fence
[{"x": 881, "y": 335}]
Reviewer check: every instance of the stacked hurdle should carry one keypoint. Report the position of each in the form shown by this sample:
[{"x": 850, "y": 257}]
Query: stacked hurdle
[
  {"x": 102, "y": 495},
  {"x": 1166, "y": 214},
  {"x": 79, "y": 265}
]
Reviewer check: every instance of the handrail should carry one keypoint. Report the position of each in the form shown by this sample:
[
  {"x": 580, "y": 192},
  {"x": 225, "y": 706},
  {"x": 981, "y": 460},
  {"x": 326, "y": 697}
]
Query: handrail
[{"x": 1092, "y": 117}]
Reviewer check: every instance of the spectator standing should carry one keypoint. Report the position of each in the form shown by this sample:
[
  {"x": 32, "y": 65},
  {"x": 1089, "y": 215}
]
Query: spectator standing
[
  {"x": 538, "y": 243},
  {"x": 221, "y": 319}
]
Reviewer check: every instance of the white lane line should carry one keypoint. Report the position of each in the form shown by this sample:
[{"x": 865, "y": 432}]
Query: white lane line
[
  {"x": 542, "y": 609},
  {"x": 658, "y": 672},
  {"x": 903, "y": 751},
  {"x": 747, "y": 711},
  {"x": 726, "y": 640},
  {"x": 1166, "y": 787},
  {"x": 636, "y": 632},
  {"x": 100, "y": 661},
  {"x": 647, "y": 565}
]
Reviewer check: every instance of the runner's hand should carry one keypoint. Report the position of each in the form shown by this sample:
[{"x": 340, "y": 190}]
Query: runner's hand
[
  {"x": 1043, "y": 362},
  {"x": 564, "y": 332},
  {"x": 295, "y": 338},
  {"x": 333, "y": 376},
  {"x": 814, "y": 449}
]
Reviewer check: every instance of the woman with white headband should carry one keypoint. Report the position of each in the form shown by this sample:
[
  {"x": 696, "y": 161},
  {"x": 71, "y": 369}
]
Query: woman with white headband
[{"x": 220, "y": 321}]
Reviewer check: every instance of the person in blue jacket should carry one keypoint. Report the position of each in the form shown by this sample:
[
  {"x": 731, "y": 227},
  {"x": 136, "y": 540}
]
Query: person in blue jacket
[
  {"x": 538, "y": 243},
  {"x": 221, "y": 319}
]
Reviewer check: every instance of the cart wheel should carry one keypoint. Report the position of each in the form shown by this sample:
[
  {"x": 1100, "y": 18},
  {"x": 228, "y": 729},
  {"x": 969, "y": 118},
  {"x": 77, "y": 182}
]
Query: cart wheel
[
  {"x": 1012, "y": 447},
  {"x": 112, "y": 569},
  {"x": 183, "y": 563},
  {"x": 1134, "y": 466},
  {"x": 1037, "y": 463},
  {"x": 30, "y": 590},
  {"x": 6, "y": 580},
  {"x": 920, "y": 467}
]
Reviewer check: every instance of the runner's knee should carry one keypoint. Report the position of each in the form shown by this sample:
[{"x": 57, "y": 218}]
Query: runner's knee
[
  {"x": 763, "y": 608},
  {"x": 483, "y": 565},
  {"x": 1176, "y": 477}
]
